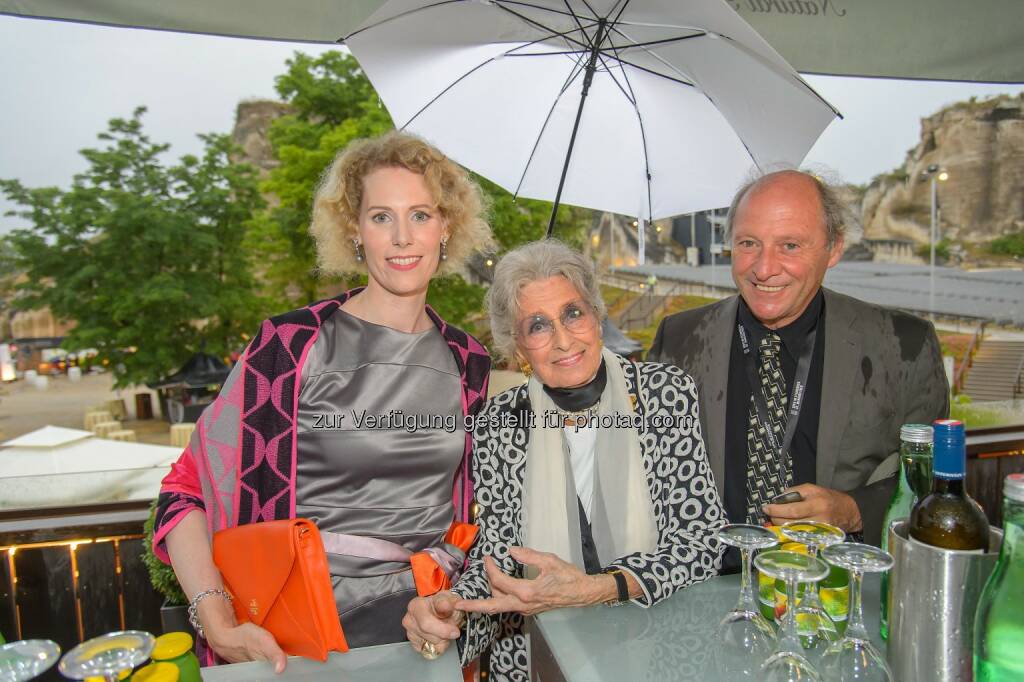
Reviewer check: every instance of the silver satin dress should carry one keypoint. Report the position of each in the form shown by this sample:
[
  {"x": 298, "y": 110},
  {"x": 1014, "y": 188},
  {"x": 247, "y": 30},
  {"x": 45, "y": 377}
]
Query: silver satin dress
[{"x": 388, "y": 478}]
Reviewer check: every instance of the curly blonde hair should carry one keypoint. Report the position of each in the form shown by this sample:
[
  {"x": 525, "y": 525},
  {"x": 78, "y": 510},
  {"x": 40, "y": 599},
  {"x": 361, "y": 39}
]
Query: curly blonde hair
[{"x": 340, "y": 194}]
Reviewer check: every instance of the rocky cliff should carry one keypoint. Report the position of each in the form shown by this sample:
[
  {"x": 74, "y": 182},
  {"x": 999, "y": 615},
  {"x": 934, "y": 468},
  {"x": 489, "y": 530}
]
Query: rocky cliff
[
  {"x": 981, "y": 146},
  {"x": 252, "y": 125}
]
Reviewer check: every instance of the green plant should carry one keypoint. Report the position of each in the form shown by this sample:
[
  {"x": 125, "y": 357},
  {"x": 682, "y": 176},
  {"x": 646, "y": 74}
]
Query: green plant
[
  {"x": 942, "y": 251},
  {"x": 1008, "y": 245},
  {"x": 160, "y": 574}
]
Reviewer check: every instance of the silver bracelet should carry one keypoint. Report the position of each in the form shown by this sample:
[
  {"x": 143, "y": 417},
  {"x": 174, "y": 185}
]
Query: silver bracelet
[{"x": 193, "y": 608}]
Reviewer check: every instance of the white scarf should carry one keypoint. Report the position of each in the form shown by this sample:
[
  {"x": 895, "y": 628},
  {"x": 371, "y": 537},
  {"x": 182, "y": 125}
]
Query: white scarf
[{"x": 622, "y": 519}]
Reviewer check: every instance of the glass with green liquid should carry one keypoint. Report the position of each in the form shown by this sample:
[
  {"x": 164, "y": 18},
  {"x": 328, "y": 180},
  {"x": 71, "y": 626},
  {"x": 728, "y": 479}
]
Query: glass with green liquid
[
  {"x": 915, "y": 481},
  {"x": 999, "y": 623}
]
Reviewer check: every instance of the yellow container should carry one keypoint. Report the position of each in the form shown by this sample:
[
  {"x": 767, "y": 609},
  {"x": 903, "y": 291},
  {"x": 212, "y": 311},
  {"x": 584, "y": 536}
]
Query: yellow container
[{"x": 157, "y": 672}]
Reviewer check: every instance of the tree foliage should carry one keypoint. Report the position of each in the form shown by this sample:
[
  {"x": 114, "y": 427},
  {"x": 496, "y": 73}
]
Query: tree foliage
[
  {"x": 333, "y": 103},
  {"x": 146, "y": 259}
]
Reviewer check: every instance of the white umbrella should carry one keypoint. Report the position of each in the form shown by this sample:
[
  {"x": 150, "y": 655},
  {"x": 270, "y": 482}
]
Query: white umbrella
[{"x": 649, "y": 108}]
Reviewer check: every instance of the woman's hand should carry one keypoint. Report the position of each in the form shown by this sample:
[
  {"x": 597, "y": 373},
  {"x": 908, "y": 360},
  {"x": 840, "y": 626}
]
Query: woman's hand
[
  {"x": 433, "y": 619},
  {"x": 559, "y": 584},
  {"x": 246, "y": 642}
]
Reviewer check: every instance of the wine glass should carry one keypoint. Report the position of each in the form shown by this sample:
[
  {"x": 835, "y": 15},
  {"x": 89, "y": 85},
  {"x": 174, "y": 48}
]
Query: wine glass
[
  {"x": 744, "y": 636},
  {"x": 817, "y": 629},
  {"x": 788, "y": 663},
  {"x": 107, "y": 655},
  {"x": 27, "y": 659},
  {"x": 854, "y": 657}
]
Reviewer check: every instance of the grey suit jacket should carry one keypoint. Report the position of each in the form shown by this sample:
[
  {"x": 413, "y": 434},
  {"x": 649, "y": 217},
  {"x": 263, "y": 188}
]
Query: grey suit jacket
[{"x": 883, "y": 368}]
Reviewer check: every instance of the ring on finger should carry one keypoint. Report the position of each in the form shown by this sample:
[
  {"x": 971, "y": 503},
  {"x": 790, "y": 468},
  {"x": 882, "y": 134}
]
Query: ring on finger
[{"x": 429, "y": 651}]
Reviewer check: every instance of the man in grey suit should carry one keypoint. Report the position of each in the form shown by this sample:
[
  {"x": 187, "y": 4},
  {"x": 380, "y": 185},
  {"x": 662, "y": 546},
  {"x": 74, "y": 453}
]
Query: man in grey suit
[{"x": 837, "y": 377}]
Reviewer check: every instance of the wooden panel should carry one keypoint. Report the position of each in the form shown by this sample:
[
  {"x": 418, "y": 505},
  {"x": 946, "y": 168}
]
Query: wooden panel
[
  {"x": 98, "y": 588},
  {"x": 141, "y": 602},
  {"x": 8, "y": 624},
  {"x": 985, "y": 485},
  {"x": 45, "y": 595}
]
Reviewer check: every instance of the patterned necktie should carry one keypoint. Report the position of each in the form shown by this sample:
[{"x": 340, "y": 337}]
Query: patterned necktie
[{"x": 764, "y": 480}]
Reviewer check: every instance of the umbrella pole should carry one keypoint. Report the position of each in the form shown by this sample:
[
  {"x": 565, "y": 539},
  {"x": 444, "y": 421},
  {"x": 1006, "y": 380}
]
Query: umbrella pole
[{"x": 587, "y": 80}]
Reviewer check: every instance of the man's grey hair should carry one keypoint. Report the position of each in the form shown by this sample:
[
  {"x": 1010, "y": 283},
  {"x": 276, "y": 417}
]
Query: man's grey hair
[
  {"x": 534, "y": 262},
  {"x": 839, "y": 223}
]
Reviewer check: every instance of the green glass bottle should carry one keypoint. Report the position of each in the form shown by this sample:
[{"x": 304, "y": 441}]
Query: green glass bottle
[
  {"x": 999, "y": 623},
  {"x": 915, "y": 479},
  {"x": 947, "y": 517}
]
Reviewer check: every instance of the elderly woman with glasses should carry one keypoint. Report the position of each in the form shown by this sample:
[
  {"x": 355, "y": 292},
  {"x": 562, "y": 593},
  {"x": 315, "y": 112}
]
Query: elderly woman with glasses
[{"x": 591, "y": 478}]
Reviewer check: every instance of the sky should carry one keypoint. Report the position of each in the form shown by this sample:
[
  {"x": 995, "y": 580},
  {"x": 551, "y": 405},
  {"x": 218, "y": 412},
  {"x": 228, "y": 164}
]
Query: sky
[{"x": 61, "y": 82}]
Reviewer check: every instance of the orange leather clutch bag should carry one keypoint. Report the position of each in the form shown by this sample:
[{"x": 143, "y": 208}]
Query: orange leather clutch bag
[{"x": 277, "y": 574}]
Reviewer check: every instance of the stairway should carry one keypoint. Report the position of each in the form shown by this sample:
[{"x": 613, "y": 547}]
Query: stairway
[
  {"x": 640, "y": 312},
  {"x": 994, "y": 371}
]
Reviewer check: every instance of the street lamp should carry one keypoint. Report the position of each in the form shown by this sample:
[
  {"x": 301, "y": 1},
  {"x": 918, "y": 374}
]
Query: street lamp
[{"x": 937, "y": 175}]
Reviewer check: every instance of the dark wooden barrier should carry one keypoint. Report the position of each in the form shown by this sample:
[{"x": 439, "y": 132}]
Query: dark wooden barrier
[
  {"x": 992, "y": 454},
  {"x": 71, "y": 574}
]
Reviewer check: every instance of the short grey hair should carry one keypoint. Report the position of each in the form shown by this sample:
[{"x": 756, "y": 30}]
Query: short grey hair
[
  {"x": 838, "y": 221},
  {"x": 533, "y": 262}
]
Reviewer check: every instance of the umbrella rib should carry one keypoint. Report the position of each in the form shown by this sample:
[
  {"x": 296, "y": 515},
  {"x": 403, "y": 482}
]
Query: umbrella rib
[
  {"x": 400, "y": 15},
  {"x": 655, "y": 73},
  {"x": 643, "y": 142},
  {"x": 576, "y": 18},
  {"x": 479, "y": 66},
  {"x": 621, "y": 11},
  {"x": 615, "y": 80},
  {"x": 573, "y": 75},
  {"x": 682, "y": 76},
  {"x": 754, "y": 55},
  {"x": 662, "y": 41},
  {"x": 537, "y": 24}
]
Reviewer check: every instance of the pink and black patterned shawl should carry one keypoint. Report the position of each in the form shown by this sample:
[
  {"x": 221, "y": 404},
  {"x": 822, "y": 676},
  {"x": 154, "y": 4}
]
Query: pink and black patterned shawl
[{"x": 240, "y": 464}]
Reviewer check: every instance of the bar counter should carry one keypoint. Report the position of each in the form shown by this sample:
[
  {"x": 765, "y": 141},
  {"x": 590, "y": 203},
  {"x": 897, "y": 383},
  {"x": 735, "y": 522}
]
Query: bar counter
[
  {"x": 388, "y": 663},
  {"x": 673, "y": 641}
]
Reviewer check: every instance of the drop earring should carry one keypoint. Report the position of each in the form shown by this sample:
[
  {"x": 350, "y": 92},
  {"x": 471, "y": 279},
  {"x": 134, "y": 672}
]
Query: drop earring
[
  {"x": 359, "y": 251},
  {"x": 444, "y": 249}
]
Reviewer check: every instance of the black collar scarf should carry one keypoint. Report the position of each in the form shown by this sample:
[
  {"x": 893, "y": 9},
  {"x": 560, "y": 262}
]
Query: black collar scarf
[{"x": 581, "y": 397}]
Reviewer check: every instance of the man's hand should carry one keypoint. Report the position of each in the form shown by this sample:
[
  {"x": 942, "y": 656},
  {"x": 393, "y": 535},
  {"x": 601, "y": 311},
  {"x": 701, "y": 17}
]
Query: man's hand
[
  {"x": 558, "y": 584},
  {"x": 819, "y": 504},
  {"x": 433, "y": 619}
]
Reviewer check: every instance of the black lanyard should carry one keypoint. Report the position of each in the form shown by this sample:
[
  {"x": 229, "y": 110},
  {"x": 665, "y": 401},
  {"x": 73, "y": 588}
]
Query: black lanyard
[{"x": 803, "y": 368}]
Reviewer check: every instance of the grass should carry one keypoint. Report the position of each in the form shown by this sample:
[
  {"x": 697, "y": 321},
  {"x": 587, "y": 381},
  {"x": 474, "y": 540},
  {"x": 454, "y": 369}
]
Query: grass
[
  {"x": 982, "y": 415},
  {"x": 676, "y": 304}
]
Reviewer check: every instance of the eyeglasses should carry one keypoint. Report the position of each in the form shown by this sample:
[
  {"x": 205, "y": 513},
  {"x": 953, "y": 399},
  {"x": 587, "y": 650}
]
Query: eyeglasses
[{"x": 536, "y": 331}]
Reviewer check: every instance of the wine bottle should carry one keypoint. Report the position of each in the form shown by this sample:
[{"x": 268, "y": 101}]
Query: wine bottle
[
  {"x": 999, "y": 624},
  {"x": 915, "y": 478},
  {"x": 947, "y": 517}
]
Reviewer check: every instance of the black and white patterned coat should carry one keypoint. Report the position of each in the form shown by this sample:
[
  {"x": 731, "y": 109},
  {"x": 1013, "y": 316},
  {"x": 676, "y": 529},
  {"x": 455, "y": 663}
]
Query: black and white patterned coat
[{"x": 687, "y": 506}]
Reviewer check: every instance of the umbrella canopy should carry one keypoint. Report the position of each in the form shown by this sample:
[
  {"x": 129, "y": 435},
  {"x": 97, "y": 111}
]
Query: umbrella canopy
[
  {"x": 55, "y": 466},
  {"x": 660, "y": 107},
  {"x": 202, "y": 369},
  {"x": 920, "y": 39}
]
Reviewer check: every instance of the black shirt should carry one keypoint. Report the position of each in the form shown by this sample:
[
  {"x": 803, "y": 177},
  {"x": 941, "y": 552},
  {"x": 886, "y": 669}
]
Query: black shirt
[{"x": 803, "y": 450}]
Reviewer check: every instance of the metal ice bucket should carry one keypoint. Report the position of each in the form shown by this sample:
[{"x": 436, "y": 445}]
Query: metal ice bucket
[{"x": 933, "y": 594}]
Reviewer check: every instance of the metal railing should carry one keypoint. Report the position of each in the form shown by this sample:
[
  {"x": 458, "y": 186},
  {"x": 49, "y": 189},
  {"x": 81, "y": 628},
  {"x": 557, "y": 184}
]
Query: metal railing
[
  {"x": 1018, "y": 385},
  {"x": 641, "y": 313},
  {"x": 968, "y": 359}
]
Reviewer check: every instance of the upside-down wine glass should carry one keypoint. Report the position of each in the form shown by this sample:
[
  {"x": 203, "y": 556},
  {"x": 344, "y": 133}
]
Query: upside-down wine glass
[
  {"x": 26, "y": 659},
  {"x": 817, "y": 629},
  {"x": 107, "y": 655},
  {"x": 745, "y": 637},
  {"x": 854, "y": 658},
  {"x": 788, "y": 663}
]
